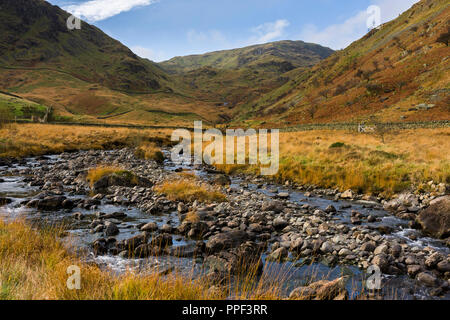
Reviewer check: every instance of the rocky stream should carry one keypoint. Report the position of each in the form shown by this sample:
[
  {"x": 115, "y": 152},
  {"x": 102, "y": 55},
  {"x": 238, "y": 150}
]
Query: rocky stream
[{"x": 286, "y": 230}]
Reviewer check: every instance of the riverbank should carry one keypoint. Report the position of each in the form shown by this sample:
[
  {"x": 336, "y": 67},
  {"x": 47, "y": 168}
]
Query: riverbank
[
  {"x": 34, "y": 264},
  {"x": 380, "y": 165},
  {"x": 130, "y": 221}
]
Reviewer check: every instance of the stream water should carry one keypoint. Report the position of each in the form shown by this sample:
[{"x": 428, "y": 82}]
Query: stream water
[{"x": 15, "y": 187}]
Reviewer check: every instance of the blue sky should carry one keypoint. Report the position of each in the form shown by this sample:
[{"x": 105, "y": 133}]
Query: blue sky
[{"x": 162, "y": 29}]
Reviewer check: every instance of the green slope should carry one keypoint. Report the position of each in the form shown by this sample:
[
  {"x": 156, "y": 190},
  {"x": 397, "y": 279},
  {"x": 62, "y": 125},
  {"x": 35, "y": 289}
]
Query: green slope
[
  {"x": 34, "y": 35},
  {"x": 281, "y": 56}
]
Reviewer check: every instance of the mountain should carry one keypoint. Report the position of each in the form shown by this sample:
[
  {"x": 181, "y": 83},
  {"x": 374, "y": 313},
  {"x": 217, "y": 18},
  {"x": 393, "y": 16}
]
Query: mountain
[
  {"x": 396, "y": 72},
  {"x": 84, "y": 75},
  {"x": 232, "y": 77},
  {"x": 280, "y": 56},
  {"x": 35, "y": 35}
]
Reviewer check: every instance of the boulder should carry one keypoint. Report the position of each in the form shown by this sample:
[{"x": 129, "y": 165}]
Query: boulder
[
  {"x": 427, "y": 278},
  {"x": 326, "y": 247},
  {"x": 221, "y": 180},
  {"x": 381, "y": 249},
  {"x": 150, "y": 227},
  {"x": 276, "y": 206},
  {"x": 347, "y": 194},
  {"x": 322, "y": 290},
  {"x": 279, "y": 223},
  {"x": 296, "y": 245},
  {"x": 381, "y": 261},
  {"x": 278, "y": 255},
  {"x": 435, "y": 220},
  {"x": 404, "y": 201},
  {"x": 444, "y": 266},
  {"x": 122, "y": 179},
  {"x": 48, "y": 203},
  {"x": 330, "y": 209},
  {"x": 111, "y": 229},
  {"x": 162, "y": 241},
  {"x": 368, "y": 246},
  {"x": 241, "y": 260},
  {"x": 226, "y": 240}
]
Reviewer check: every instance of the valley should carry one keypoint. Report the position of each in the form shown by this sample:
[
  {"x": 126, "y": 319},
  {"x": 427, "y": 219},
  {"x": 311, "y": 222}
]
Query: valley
[{"x": 87, "y": 177}]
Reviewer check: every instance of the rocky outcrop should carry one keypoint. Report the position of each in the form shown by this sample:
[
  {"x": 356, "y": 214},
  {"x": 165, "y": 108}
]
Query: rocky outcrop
[
  {"x": 239, "y": 261},
  {"x": 226, "y": 240},
  {"x": 123, "y": 179},
  {"x": 435, "y": 220},
  {"x": 322, "y": 290}
]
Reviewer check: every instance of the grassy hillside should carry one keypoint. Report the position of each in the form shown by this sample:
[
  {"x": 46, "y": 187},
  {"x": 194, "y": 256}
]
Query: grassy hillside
[
  {"x": 35, "y": 35},
  {"x": 230, "y": 78},
  {"x": 281, "y": 56},
  {"x": 397, "y": 72},
  {"x": 84, "y": 75}
]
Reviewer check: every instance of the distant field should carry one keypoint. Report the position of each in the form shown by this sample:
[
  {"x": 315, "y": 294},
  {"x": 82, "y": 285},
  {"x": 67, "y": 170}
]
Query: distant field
[
  {"x": 343, "y": 159},
  {"x": 20, "y": 140}
]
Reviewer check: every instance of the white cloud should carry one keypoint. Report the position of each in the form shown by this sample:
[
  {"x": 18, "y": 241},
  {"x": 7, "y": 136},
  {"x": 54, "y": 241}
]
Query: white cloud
[
  {"x": 153, "y": 55},
  {"x": 210, "y": 36},
  {"x": 96, "y": 10},
  {"x": 339, "y": 36},
  {"x": 270, "y": 31}
]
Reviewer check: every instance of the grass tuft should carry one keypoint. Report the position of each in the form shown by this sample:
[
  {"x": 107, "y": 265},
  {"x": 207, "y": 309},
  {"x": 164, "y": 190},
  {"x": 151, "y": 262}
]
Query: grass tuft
[{"x": 189, "y": 190}]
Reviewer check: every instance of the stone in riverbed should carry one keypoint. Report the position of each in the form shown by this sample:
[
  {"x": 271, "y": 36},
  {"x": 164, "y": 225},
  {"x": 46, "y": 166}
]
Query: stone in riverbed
[
  {"x": 444, "y": 266},
  {"x": 221, "y": 180},
  {"x": 162, "y": 241},
  {"x": 414, "y": 269},
  {"x": 427, "y": 279},
  {"x": 123, "y": 179},
  {"x": 326, "y": 247},
  {"x": 279, "y": 223},
  {"x": 166, "y": 228},
  {"x": 330, "y": 209},
  {"x": 368, "y": 246},
  {"x": 381, "y": 261},
  {"x": 241, "y": 260},
  {"x": 48, "y": 203},
  {"x": 276, "y": 206},
  {"x": 226, "y": 240},
  {"x": 322, "y": 290},
  {"x": 111, "y": 229},
  {"x": 283, "y": 195},
  {"x": 149, "y": 227},
  {"x": 433, "y": 260},
  {"x": 344, "y": 252},
  {"x": 396, "y": 250},
  {"x": 435, "y": 220},
  {"x": 381, "y": 249},
  {"x": 347, "y": 194},
  {"x": 278, "y": 255}
]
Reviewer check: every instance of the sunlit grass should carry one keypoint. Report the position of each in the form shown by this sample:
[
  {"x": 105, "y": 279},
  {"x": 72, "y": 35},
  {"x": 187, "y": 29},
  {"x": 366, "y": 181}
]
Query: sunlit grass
[
  {"x": 189, "y": 190},
  {"x": 20, "y": 140},
  {"x": 34, "y": 263},
  {"x": 349, "y": 160},
  {"x": 97, "y": 173},
  {"x": 150, "y": 151}
]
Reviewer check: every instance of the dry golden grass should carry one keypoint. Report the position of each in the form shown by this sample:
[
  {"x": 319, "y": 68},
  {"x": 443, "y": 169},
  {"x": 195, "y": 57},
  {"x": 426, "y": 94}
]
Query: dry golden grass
[
  {"x": 97, "y": 173},
  {"x": 20, "y": 140},
  {"x": 34, "y": 263},
  {"x": 189, "y": 190},
  {"x": 150, "y": 151},
  {"x": 192, "y": 216},
  {"x": 362, "y": 162}
]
